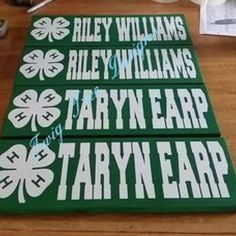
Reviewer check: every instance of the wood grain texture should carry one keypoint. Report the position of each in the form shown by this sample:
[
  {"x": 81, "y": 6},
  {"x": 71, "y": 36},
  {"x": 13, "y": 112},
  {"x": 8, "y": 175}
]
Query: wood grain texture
[{"x": 217, "y": 56}]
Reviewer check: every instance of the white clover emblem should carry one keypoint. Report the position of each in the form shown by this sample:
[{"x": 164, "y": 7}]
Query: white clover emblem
[
  {"x": 51, "y": 28},
  {"x": 31, "y": 107},
  {"x": 37, "y": 62},
  {"x": 27, "y": 173}
]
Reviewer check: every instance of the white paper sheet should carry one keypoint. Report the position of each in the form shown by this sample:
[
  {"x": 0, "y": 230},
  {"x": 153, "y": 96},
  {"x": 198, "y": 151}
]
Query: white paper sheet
[{"x": 210, "y": 14}]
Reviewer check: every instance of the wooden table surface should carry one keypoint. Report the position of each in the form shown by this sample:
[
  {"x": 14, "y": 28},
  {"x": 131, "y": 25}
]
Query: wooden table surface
[{"x": 217, "y": 57}]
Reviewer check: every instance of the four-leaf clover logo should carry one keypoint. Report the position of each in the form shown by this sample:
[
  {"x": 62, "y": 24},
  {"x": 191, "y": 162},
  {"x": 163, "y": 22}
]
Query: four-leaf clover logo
[
  {"x": 37, "y": 62},
  {"x": 53, "y": 28},
  {"x": 33, "y": 107},
  {"x": 27, "y": 173}
]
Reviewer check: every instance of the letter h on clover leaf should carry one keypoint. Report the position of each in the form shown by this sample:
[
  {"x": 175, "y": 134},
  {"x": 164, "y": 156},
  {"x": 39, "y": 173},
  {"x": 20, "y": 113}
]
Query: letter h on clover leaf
[
  {"x": 27, "y": 173},
  {"x": 45, "y": 65},
  {"x": 35, "y": 108}
]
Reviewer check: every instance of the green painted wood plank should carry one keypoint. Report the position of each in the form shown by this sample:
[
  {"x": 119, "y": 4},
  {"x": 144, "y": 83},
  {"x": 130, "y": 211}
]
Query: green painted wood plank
[
  {"x": 108, "y": 30},
  {"x": 111, "y": 111},
  {"x": 117, "y": 175},
  {"x": 108, "y": 65}
]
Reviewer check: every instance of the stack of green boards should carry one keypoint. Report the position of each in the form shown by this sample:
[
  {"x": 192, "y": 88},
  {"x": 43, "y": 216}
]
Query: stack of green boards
[{"x": 111, "y": 114}]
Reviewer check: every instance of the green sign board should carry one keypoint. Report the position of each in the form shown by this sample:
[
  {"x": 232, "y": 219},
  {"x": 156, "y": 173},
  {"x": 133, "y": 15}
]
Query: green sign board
[
  {"x": 115, "y": 65},
  {"x": 110, "y": 114},
  {"x": 108, "y": 30},
  {"x": 131, "y": 175},
  {"x": 111, "y": 110}
]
